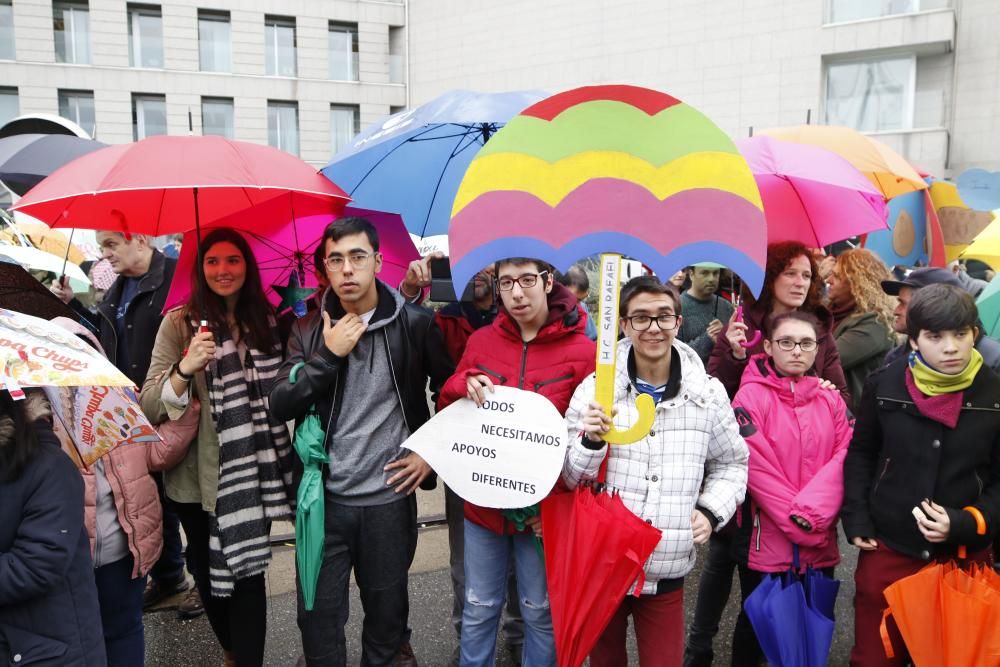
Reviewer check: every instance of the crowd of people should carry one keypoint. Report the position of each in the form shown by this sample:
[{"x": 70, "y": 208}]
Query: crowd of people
[{"x": 858, "y": 399}]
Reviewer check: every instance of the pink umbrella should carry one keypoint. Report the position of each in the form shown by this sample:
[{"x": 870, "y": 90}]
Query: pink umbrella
[
  {"x": 810, "y": 194},
  {"x": 288, "y": 251}
]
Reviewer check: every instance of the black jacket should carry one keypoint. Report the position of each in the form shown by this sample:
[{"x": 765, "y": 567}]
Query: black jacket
[
  {"x": 49, "y": 614},
  {"x": 417, "y": 352},
  {"x": 142, "y": 319},
  {"x": 898, "y": 457}
]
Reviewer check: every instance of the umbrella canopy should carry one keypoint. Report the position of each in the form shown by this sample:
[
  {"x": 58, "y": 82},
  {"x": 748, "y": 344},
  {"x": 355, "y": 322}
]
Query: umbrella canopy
[
  {"x": 34, "y": 259},
  {"x": 52, "y": 241},
  {"x": 288, "y": 251},
  {"x": 170, "y": 184},
  {"x": 792, "y": 616},
  {"x": 412, "y": 162},
  {"x": 884, "y": 167},
  {"x": 989, "y": 308},
  {"x": 26, "y": 159},
  {"x": 310, "y": 528},
  {"x": 609, "y": 169},
  {"x": 986, "y": 245},
  {"x": 810, "y": 194},
  {"x": 590, "y": 537},
  {"x": 20, "y": 291}
]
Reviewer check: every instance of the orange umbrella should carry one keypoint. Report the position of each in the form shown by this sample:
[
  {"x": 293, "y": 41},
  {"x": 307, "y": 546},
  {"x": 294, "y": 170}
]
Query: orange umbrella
[
  {"x": 50, "y": 240},
  {"x": 884, "y": 167}
]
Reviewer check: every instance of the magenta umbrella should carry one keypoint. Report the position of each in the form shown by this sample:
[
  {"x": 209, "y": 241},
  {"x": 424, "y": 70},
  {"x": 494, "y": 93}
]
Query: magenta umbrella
[
  {"x": 810, "y": 194},
  {"x": 285, "y": 255}
]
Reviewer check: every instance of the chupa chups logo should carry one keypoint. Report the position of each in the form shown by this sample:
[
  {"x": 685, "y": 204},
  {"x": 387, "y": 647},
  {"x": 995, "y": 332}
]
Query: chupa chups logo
[{"x": 747, "y": 427}]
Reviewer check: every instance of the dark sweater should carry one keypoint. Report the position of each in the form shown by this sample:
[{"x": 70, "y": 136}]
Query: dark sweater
[{"x": 697, "y": 315}]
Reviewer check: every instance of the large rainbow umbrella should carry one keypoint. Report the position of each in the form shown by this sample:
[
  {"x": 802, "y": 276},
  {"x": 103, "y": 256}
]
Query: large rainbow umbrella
[{"x": 609, "y": 169}]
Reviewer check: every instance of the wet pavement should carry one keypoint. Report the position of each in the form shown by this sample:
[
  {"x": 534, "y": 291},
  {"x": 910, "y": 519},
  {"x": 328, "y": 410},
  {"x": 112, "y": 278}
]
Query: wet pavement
[{"x": 174, "y": 643}]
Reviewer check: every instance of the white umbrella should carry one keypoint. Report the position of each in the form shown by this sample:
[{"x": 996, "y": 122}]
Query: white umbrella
[{"x": 34, "y": 259}]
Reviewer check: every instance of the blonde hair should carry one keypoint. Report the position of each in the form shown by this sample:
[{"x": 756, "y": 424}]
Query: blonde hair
[{"x": 864, "y": 272}]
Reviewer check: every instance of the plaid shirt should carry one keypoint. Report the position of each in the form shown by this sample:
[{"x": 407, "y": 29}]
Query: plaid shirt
[{"x": 693, "y": 456}]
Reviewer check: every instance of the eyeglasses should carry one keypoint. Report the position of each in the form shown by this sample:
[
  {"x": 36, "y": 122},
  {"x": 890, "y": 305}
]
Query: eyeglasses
[
  {"x": 787, "y": 344},
  {"x": 642, "y": 322},
  {"x": 359, "y": 260},
  {"x": 526, "y": 281}
]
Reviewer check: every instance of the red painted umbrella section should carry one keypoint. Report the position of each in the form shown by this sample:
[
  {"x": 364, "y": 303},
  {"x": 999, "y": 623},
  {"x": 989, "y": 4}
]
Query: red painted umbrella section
[{"x": 171, "y": 184}]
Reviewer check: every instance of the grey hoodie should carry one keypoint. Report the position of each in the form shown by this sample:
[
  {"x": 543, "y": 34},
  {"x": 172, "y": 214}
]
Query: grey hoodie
[{"x": 370, "y": 425}]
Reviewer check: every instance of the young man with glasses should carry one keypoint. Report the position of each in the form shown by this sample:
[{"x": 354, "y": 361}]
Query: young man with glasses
[
  {"x": 363, "y": 360},
  {"x": 536, "y": 343},
  {"x": 687, "y": 477}
]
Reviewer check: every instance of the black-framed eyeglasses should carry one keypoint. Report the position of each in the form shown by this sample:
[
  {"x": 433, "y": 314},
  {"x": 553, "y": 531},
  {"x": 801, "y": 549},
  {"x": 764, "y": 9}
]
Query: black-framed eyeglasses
[
  {"x": 359, "y": 260},
  {"x": 526, "y": 281},
  {"x": 787, "y": 344},
  {"x": 664, "y": 321}
]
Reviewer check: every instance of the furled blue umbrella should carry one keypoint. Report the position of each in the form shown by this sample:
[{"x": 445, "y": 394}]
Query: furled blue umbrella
[
  {"x": 792, "y": 616},
  {"x": 412, "y": 162}
]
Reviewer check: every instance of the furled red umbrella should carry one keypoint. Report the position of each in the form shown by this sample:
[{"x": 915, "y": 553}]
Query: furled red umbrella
[
  {"x": 590, "y": 536},
  {"x": 170, "y": 184},
  {"x": 811, "y": 195}
]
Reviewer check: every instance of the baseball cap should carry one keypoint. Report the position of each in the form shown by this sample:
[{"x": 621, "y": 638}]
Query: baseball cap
[{"x": 922, "y": 277}]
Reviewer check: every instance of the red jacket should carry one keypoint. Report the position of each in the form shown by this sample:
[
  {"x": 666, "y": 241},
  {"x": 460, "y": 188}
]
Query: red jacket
[{"x": 553, "y": 364}]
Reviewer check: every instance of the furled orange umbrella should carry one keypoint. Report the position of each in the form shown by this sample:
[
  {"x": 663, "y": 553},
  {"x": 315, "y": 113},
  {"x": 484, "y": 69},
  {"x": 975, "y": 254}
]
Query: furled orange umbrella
[{"x": 884, "y": 167}]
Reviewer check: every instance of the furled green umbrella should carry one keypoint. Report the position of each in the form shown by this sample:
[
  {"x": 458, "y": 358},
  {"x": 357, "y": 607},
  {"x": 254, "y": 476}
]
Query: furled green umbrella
[
  {"x": 310, "y": 516},
  {"x": 989, "y": 308}
]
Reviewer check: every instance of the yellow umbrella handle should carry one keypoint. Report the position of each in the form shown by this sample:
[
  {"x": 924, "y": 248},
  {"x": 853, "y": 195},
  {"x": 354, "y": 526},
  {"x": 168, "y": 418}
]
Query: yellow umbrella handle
[{"x": 607, "y": 354}]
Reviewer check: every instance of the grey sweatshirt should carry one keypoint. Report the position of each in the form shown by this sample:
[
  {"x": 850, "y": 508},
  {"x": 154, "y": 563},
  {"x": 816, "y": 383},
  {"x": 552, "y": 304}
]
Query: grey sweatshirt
[
  {"x": 370, "y": 426},
  {"x": 697, "y": 314}
]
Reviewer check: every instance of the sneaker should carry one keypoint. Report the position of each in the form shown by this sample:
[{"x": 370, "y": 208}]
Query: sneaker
[
  {"x": 156, "y": 592},
  {"x": 405, "y": 657},
  {"x": 191, "y": 606}
]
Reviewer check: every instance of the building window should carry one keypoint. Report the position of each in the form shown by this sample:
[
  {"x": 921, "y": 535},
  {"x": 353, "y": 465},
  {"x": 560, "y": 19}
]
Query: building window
[
  {"x": 217, "y": 116},
  {"x": 397, "y": 65},
  {"x": 857, "y": 10},
  {"x": 71, "y": 25},
  {"x": 283, "y": 126},
  {"x": 871, "y": 95},
  {"x": 214, "y": 42},
  {"x": 8, "y": 105},
  {"x": 279, "y": 46},
  {"x": 343, "y": 41},
  {"x": 6, "y": 30},
  {"x": 78, "y": 106},
  {"x": 344, "y": 122},
  {"x": 149, "y": 116},
  {"x": 145, "y": 36}
]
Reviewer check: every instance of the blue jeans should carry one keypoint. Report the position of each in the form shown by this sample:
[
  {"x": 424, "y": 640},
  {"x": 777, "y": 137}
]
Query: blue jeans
[
  {"x": 487, "y": 561},
  {"x": 120, "y": 597}
]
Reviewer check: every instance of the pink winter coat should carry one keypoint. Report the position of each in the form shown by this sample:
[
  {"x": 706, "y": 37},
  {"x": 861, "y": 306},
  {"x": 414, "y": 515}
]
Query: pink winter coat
[
  {"x": 798, "y": 435},
  {"x": 136, "y": 498}
]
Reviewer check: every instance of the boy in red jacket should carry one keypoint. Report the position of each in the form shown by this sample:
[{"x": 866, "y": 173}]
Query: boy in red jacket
[{"x": 537, "y": 343}]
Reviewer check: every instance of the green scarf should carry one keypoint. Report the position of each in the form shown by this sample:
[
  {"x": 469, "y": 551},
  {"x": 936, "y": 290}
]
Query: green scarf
[{"x": 934, "y": 383}]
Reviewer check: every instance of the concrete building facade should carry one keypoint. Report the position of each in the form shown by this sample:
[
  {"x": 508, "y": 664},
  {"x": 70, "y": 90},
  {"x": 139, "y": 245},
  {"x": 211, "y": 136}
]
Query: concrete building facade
[
  {"x": 303, "y": 75},
  {"x": 921, "y": 75}
]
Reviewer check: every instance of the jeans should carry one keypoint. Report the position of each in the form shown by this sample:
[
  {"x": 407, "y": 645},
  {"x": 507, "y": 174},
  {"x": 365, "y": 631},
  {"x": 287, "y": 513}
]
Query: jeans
[
  {"x": 240, "y": 620},
  {"x": 487, "y": 563},
  {"x": 378, "y": 543},
  {"x": 169, "y": 569},
  {"x": 714, "y": 588},
  {"x": 120, "y": 598}
]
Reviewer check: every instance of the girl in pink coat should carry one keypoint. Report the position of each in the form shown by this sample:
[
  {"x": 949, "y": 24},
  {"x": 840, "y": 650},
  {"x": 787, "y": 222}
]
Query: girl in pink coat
[{"x": 798, "y": 431}]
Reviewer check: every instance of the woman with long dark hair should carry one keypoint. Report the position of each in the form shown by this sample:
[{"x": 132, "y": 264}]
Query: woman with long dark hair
[
  {"x": 49, "y": 614},
  {"x": 229, "y": 364}
]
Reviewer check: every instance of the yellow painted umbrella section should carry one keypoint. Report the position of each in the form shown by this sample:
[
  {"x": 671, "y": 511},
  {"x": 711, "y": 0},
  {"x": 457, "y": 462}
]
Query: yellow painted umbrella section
[{"x": 986, "y": 246}]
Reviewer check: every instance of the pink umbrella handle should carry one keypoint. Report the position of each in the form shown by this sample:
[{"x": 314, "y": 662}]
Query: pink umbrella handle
[{"x": 747, "y": 344}]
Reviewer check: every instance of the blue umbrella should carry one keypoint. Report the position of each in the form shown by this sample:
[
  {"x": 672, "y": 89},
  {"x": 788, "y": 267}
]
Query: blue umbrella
[
  {"x": 412, "y": 162},
  {"x": 792, "y": 616}
]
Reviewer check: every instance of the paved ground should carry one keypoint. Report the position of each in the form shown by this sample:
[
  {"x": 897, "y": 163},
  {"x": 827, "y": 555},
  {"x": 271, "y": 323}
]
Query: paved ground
[{"x": 173, "y": 643}]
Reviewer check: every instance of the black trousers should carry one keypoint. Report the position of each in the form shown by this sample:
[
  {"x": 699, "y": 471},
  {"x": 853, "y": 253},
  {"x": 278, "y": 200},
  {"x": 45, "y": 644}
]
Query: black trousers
[
  {"x": 239, "y": 621},
  {"x": 713, "y": 596},
  {"x": 378, "y": 543}
]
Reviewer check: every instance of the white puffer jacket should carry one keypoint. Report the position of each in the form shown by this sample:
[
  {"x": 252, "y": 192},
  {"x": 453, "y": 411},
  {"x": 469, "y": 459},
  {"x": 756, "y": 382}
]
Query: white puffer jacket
[{"x": 693, "y": 456}]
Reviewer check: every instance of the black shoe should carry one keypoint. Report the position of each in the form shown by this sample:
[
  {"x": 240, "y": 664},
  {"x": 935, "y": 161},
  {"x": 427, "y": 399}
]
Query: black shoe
[
  {"x": 405, "y": 657},
  {"x": 191, "y": 606},
  {"x": 156, "y": 592}
]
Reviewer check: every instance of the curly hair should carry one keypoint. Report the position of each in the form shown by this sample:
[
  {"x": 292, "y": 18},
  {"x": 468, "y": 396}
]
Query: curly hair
[
  {"x": 779, "y": 257},
  {"x": 864, "y": 272}
]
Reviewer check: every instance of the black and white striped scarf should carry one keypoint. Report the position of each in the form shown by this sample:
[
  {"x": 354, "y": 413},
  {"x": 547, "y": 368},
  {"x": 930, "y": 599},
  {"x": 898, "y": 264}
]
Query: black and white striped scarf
[{"x": 255, "y": 464}]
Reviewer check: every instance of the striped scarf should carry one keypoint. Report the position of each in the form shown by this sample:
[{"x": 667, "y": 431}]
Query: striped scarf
[{"x": 255, "y": 464}]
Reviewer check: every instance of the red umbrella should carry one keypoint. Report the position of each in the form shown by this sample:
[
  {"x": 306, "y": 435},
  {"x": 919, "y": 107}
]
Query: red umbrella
[
  {"x": 590, "y": 537},
  {"x": 170, "y": 184}
]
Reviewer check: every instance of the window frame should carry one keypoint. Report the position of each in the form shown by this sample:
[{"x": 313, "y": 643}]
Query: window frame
[
  {"x": 137, "y": 100},
  {"x": 73, "y": 7},
  {"x": 72, "y": 95},
  {"x": 271, "y": 24},
  {"x": 354, "y": 55},
  {"x": 355, "y": 110},
  {"x": 230, "y": 102},
  {"x": 283, "y": 104},
  {"x": 135, "y": 47},
  {"x": 909, "y": 103},
  {"x": 11, "y": 42},
  {"x": 214, "y": 16}
]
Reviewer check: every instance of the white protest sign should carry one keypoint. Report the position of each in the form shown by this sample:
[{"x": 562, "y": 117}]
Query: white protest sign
[{"x": 506, "y": 454}]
